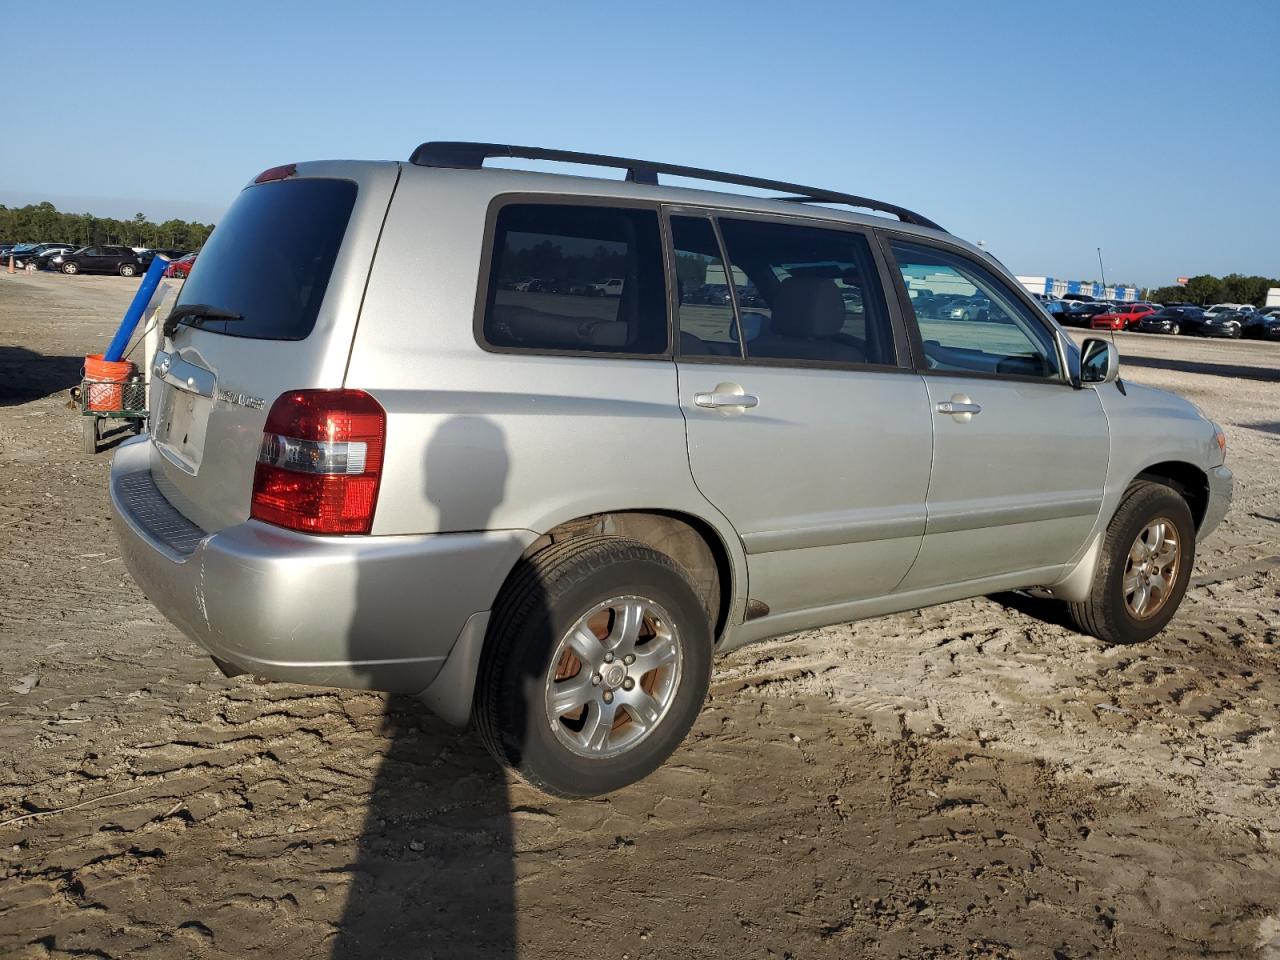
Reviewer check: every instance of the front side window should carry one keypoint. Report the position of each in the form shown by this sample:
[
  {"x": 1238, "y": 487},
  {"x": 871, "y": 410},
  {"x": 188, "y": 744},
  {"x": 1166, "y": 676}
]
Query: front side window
[
  {"x": 969, "y": 320},
  {"x": 566, "y": 277},
  {"x": 807, "y": 293}
]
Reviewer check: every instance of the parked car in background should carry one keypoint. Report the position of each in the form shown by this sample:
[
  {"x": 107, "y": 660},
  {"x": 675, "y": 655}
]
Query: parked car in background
[
  {"x": 38, "y": 254},
  {"x": 976, "y": 307},
  {"x": 20, "y": 250},
  {"x": 1170, "y": 320},
  {"x": 148, "y": 255},
  {"x": 1219, "y": 308},
  {"x": 1225, "y": 323},
  {"x": 180, "y": 267},
  {"x": 99, "y": 259},
  {"x": 1080, "y": 313},
  {"x": 1263, "y": 324},
  {"x": 1122, "y": 317},
  {"x": 610, "y": 288},
  {"x": 1056, "y": 309}
]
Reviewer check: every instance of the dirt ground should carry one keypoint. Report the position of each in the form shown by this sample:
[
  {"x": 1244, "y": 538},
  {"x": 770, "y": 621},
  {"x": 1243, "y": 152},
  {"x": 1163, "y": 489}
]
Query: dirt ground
[{"x": 963, "y": 781}]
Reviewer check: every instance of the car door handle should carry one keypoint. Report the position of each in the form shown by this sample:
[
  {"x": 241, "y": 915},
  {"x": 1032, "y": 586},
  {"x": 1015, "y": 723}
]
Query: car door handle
[
  {"x": 958, "y": 406},
  {"x": 717, "y": 400}
]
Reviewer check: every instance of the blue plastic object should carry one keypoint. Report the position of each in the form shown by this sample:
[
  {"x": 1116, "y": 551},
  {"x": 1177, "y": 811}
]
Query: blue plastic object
[{"x": 150, "y": 280}]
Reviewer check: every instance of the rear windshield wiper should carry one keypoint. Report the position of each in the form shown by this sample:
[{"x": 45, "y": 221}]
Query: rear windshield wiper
[{"x": 194, "y": 313}]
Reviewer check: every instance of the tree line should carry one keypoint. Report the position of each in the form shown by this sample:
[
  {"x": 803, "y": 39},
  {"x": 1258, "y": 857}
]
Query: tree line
[
  {"x": 1206, "y": 289},
  {"x": 44, "y": 223}
]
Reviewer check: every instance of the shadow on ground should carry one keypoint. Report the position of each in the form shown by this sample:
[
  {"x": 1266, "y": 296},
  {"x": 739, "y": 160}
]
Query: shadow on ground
[
  {"x": 26, "y": 375},
  {"x": 1236, "y": 370},
  {"x": 434, "y": 875}
]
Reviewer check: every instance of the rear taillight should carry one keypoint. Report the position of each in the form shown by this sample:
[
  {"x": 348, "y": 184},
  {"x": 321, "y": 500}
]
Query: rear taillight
[{"x": 320, "y": 462}]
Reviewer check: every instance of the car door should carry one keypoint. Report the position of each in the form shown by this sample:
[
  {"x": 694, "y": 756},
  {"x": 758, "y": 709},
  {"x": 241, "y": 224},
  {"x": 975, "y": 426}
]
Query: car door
[
  {"x": 1019, "y": 455},
  {"x": 88, "y": 259},
  {"x": 811, "y": 433}
]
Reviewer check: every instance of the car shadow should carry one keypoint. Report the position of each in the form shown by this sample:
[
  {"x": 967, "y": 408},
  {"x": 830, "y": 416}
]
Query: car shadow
[
  {"x": 434, "y": 872},
  {"x": 26, "y": 375},
  {"x": 1040, "y": 608},
  {"x": 1242, "y": 371},
  {"x": 1263, "y": 427}
]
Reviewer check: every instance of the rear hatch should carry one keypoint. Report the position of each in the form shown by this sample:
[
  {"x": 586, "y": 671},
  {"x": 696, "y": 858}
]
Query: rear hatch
[{"x": 290, "y": 259}]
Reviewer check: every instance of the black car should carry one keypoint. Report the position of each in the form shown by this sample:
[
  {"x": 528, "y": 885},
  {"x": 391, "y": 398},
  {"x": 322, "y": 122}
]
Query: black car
[
  {"x": 1080, "y": 313},
  {"x": 1227, "y": 324},
  {"x": 1170, "y": 320},
  {"x": 1264, "y": 326},
  {"x": 99, "y": 259}
]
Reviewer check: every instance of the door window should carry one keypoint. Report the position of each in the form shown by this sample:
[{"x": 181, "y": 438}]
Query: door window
[
  {"x": 807, "y": 293},
  {"x": 969, "y": 320},
  {"x": 707, "y": 323},
  {"x": 575, "y": 278}
]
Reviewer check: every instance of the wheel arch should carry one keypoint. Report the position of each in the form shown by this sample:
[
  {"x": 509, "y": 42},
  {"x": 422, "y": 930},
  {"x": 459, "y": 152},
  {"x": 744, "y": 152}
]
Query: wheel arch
[
  {"x": 689, "y": 540},
  {"x": 1186, "y": 479}
]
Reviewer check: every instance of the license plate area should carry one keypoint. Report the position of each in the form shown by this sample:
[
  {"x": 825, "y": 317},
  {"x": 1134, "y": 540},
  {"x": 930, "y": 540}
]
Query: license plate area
[{"x": 179, "y": 428}]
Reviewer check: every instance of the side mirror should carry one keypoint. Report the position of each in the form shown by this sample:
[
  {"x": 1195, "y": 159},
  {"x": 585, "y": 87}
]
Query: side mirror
[{"x": 1099, "y": 362}]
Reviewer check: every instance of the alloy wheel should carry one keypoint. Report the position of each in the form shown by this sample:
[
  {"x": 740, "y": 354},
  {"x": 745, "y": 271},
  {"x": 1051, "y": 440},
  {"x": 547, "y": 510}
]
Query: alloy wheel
[
  {"x": 1151, "y": 569},
  {"x": 613, "y": 677}
]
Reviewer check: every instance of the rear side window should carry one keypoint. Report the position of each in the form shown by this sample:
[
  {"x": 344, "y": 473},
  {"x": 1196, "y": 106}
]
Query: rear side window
[
  {"x": 577, "y": 279},
  {"x": 807, "y": 293},
  {"x": 270, "y": 258}
]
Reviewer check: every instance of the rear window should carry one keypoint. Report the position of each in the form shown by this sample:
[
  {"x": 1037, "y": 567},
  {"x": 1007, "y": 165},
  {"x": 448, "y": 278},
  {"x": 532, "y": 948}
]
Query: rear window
[
  {"x": 568, "y": 278},
  {"x": 270, "y": 258}
]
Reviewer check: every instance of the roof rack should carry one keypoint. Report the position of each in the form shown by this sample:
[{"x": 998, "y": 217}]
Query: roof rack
[{"x": 471, "y": 156}]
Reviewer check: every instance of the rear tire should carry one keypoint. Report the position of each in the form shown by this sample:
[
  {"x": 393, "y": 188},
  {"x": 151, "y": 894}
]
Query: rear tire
[
  {"x": 90, "y": 435},
  {"x": 546, "y": 696},
  {"x": 1142, "y": 575}
]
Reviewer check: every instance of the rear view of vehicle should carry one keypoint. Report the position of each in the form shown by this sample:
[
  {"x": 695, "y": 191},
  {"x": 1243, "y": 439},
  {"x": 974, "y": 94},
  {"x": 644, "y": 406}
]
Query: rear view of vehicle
[{"x": 242, "y": 512}]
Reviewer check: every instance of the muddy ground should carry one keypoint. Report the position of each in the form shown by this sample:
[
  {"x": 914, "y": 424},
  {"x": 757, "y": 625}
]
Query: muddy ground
[{"x": 964, "y": 781}]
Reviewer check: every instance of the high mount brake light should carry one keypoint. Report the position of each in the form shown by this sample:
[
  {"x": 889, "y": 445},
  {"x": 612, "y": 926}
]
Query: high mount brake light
[
  {"x": 277, "y": 173},
  {"x": 320, "y": 462}
]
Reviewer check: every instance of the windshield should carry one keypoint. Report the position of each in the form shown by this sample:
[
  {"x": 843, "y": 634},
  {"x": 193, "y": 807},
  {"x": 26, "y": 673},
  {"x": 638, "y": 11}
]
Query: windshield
[{"x": 270, "y": 258}]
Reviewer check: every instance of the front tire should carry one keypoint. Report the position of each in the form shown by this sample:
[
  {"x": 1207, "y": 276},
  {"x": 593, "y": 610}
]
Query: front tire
[
  {"x": 1175, "y": 330},
  {"x": 1142, "y": 574},
  {"x": 127, "y": 270},
  {"x": 596, "y": 664},
  {"x": 70, "y": 269}
]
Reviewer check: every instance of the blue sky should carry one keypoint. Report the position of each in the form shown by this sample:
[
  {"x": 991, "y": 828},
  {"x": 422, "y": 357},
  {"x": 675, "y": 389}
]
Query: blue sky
[{"x": 1044, "y": 129}]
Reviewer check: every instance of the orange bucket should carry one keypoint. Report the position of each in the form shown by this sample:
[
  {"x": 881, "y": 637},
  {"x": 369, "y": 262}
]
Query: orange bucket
[{"x": 112, "y": 375}]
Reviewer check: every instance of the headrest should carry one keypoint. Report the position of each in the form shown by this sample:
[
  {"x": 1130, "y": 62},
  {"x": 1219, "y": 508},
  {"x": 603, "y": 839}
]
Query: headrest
[{"x": 808, "y": 307}]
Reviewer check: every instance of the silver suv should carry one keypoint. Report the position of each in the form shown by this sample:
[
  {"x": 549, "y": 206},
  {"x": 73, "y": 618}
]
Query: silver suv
[{"x": 478, "y": 435}]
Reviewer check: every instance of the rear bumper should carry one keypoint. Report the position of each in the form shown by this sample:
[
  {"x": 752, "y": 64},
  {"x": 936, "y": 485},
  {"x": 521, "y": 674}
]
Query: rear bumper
[
  {"x": 1220, "y": 484},
  {"x": 379, "y": 613}
]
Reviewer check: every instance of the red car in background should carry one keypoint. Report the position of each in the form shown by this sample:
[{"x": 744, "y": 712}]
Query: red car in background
[
  {"x": 1122, "y": 318},
  {"x": 180, "y": 267}
]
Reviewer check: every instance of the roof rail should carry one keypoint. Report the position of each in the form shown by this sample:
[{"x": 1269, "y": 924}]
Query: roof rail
[{"x": 471, "y": 156}]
